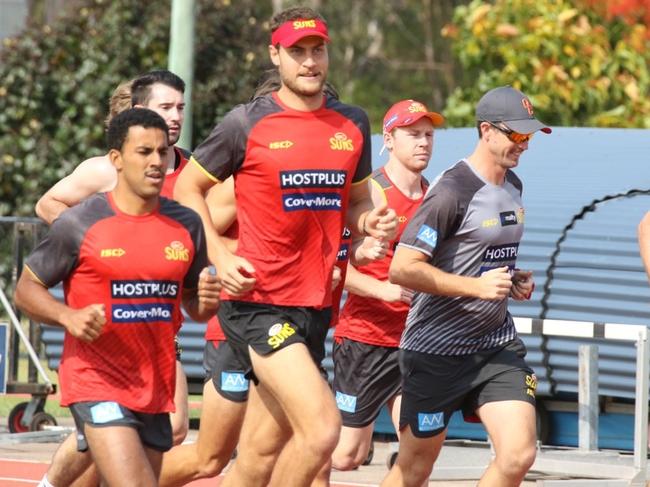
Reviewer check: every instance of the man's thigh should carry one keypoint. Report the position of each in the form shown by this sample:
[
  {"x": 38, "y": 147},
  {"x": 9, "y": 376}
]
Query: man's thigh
[
  {"x": 153, "y": 430},
  {"x": 120, "y": 456},
  {"x": 296, "y": 383}
]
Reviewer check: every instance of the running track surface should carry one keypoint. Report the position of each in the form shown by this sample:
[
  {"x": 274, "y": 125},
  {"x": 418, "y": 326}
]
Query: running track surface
[{"x": 15, "y": 473}]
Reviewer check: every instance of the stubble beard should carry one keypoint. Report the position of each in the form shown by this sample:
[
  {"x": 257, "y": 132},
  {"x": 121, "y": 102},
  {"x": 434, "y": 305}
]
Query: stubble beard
[{"x": 304, "y": 92}]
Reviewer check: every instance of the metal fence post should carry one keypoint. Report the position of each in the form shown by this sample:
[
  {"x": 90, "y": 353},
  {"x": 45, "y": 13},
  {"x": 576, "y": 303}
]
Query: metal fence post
[
  {"x": 641, "y": 409},
  {"x": 588, "y": 398}
]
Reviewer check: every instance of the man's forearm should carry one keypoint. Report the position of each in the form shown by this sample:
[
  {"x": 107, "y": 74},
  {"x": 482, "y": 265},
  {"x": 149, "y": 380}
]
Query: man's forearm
[
  {"x": 356, "y": 215},
  {"x": 195, "y": 309},
  {"x": 217, "y": 248},
  {"x": 644, "y": 242},
  {"x": 362, "y": 284},
  {"x": 37, "y": 302},
  {"x": 423, "y": 277}
]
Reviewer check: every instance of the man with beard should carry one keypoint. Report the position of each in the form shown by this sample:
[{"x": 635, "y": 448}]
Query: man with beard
[{"x": 300, "y": 161}]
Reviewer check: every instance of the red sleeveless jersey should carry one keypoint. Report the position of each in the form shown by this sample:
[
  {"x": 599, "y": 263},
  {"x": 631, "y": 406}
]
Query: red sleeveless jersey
[
  {"x": 292, "y": 172},
  {"x": 342, "y": 259},
  {"x": 370, "y": 320},
  {"x": 170, "y": 179},
  {"x": 137, "y": 266}
]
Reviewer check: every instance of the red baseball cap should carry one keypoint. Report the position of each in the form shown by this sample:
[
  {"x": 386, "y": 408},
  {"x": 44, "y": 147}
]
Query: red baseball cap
[
  {"x": 407, "y": 112},
  {"x": 293, "y": 30}
]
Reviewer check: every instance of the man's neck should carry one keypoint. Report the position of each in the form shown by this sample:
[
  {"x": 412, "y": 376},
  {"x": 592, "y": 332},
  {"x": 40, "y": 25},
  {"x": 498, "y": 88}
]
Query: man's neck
[
  {"x": 132, "y": 204},
  {"x": 484, "y": 164},
  {"x": 407, "y": 181},
  {"x": 299, "y": 102},
  {"x": 171, "y": 159}
]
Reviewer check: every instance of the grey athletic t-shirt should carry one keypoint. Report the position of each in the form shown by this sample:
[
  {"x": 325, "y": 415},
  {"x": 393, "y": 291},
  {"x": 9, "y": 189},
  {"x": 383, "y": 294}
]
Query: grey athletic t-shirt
[{"x": 465, "y": 226}]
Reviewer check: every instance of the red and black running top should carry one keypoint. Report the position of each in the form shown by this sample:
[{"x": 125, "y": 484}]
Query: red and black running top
[
  {"x": 293, "y": 172},
  {"x": 137, "y": 266}
]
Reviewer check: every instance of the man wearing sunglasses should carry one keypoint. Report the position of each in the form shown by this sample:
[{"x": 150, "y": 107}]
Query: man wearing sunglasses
[{"x": 460, "y": 349}]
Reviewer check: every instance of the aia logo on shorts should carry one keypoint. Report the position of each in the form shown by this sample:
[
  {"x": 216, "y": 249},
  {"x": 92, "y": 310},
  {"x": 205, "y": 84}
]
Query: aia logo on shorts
[
  {"x": 234, "y": 382},
  {"x": 345, "y": 402},
  {"x": 177, "y": 251},
  {"x": 431, "y": 421}
]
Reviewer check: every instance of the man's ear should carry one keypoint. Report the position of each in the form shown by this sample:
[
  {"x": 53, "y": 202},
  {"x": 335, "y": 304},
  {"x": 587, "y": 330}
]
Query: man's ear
[
  {"x": 274, "y": 54},
  {"x": 115, "y": 157},
  {"x": 388, "y": 141}
]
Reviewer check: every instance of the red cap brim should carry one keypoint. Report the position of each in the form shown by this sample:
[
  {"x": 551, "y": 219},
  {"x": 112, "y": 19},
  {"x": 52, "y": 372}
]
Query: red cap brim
[
  {"x": 293, "y": 30},
  {"x": 291, "y": 40}
]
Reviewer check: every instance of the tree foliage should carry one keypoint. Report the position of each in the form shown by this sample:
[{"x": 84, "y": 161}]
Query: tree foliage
[
  {"x": 387, "y": 50},
  {"x": 55, "y": 81},
  {"x": 577, "y": 67}
]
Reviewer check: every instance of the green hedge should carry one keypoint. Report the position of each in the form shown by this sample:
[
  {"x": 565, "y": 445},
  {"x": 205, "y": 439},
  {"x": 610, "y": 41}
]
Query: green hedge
[{"x": 55, "y": 81}]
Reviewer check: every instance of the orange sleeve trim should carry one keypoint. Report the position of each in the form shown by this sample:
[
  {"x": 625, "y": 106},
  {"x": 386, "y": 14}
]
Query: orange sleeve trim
[
  {"x": 210, "y": 176},
  {"x": 34, "y": 276},
  {"x": 364, "y": 180}
]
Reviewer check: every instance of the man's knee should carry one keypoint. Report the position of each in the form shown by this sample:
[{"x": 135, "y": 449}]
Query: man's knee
[
  {"x": 415, "y": 469},
  {"x": 346, "y": 460},
  {"x": 323, "y": 438},
  {"x": 179, "y": 432},
  {"x": 214, "y": 465},
  {"x": 516, "y": 461}
]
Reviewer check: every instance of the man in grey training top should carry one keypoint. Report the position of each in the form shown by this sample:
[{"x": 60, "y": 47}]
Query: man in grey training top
[{"x": 460, "y": 349}]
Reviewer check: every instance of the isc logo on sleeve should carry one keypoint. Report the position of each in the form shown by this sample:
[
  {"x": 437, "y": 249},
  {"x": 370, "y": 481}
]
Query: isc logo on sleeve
[{"x": 428, "y": 235}]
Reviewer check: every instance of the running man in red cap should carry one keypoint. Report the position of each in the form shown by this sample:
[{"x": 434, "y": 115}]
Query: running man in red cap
[
  {"x": 300, "y": 161},
  {"x": 460, "y": 348},
  {"x": 366, "y": 367}
]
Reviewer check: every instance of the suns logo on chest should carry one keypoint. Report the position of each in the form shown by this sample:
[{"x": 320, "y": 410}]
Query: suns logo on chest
[{"x": 176, "y": 251}]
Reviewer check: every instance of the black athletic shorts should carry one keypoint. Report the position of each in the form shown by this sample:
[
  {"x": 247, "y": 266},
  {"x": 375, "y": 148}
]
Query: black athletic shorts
[
  {"x": 268, "y": 328},
  {"x": 225, "y": 371},
  {"x": 366, "y": 377},
  {"x": 155, "y": 430},
  {"x": 434, "y": 386}
]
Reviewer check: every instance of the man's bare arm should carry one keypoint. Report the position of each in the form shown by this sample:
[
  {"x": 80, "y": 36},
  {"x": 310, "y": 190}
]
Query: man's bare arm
[
  {"x": 93, "y": 175},
  {"x": 190, "y": 190},
  {"x": 367, "y": 286},
  {"x": 410, "y": 269},
  {"x": 644, "y": 241},
  {"x": 223, "y": 210},
  {"x": 33, "y": 298},
  {"x": 364, "y": 219}
]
